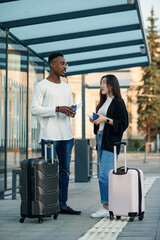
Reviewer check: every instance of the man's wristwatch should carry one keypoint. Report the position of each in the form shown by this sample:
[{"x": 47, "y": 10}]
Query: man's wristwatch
[{"x": 108, "y": 120}]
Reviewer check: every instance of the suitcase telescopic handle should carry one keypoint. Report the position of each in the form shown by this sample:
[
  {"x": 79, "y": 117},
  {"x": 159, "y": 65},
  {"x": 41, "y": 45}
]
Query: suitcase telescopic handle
[
  {"x": 45, "y": 151},
  {"x": 120, "y": 143},
  {"x": 115, "y": 157}
]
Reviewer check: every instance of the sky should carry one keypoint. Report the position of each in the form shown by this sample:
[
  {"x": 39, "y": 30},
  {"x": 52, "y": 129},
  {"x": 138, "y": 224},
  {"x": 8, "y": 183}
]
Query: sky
[{"x": 146, "y": 6}]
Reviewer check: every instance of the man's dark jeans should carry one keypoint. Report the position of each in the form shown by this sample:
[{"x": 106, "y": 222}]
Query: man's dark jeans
[{"x": 63, "y": 149}]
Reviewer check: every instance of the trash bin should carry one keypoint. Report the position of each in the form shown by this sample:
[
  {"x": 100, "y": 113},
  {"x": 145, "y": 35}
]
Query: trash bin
[
  {"x": 82, "y": 160},
  {"x": 2, "y": 194}
]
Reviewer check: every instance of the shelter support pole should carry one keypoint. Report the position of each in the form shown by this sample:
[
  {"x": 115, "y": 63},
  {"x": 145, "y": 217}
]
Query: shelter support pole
[{"x": 83, "y": 107}]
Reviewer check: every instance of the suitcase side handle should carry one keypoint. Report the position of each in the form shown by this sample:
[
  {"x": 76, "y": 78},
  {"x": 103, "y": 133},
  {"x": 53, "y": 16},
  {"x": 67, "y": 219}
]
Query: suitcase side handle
[{"x": 115, "y": 155}]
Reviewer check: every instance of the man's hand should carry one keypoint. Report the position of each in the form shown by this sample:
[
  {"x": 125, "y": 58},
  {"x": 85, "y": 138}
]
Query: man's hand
[
  {"x": 73, "y": 111},
  {"x": 67, "y": 110}
]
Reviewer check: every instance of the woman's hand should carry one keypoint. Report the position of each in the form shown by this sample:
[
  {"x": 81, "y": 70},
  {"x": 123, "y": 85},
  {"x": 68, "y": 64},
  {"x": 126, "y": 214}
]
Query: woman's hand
[
  {"x": 91, "y": 120},
  {"x": 100, "y": 119},
  {"x": 103, "y": 119}
]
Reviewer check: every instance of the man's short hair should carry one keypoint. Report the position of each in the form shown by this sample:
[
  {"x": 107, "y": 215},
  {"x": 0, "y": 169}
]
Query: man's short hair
[{"x": 54, "y": 55}]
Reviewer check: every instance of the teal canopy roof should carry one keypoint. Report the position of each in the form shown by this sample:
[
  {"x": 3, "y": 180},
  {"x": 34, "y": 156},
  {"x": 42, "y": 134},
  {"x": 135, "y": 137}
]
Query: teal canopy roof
[{"x": 93, "y": 35}]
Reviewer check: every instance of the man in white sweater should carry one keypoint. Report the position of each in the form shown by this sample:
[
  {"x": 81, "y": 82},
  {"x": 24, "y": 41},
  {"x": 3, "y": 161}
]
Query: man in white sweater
[{"x": 52, "y": 102}]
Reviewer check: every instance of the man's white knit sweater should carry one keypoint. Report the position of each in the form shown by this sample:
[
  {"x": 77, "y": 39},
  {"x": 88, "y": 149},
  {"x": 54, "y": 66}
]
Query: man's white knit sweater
[{"x": 46, "y": 96}]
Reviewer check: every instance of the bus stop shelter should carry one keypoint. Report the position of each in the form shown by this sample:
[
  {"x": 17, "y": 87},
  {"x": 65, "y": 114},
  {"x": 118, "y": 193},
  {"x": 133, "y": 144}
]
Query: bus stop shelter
[{"x": 94, "y": 36}]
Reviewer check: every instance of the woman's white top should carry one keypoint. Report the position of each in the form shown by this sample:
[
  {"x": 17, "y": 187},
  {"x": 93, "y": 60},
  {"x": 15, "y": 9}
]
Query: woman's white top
[
  {"x": 103, "y": 110},
  {"x": 46, "y": 96}
]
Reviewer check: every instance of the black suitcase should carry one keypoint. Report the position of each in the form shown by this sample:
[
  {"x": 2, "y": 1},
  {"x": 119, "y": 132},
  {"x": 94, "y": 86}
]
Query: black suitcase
[{"x": 39, "y": 188}]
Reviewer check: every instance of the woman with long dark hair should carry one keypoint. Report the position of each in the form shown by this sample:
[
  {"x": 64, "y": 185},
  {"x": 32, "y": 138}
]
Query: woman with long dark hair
[{"x": 109, "y": 128}]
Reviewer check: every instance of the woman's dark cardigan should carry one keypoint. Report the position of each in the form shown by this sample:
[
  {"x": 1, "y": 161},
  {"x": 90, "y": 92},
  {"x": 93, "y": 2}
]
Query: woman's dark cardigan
[{"x": 111, "y": 134}]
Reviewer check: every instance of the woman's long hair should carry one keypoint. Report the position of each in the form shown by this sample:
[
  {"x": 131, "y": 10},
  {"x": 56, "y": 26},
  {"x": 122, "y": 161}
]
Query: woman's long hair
[{"x": 112, "y": 81}]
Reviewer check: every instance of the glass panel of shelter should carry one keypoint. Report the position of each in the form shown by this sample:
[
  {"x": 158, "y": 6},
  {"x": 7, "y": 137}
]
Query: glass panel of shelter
[
  {"x": 36, "y": 73},
  {"x": 16, "y": 106},
  {"x": 2, "y": 107}
]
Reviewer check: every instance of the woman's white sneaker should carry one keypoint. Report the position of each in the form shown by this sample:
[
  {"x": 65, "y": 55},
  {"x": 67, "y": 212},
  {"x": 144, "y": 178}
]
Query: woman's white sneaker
[{"x": 101, "y": 212}]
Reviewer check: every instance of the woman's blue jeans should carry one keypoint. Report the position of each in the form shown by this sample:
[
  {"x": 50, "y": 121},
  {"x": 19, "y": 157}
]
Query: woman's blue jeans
[
  {"x": 63, "y": 149},
  {"x": 106, "y": 160}
]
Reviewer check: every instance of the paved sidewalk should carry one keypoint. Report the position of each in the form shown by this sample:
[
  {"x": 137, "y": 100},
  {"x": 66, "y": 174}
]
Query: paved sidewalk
[
  {"x": 137, "y": 230},
  {"x": 149, "y": 228},
  {"x": 82, "y": 196},
  {"x": 85, "y": 197}
]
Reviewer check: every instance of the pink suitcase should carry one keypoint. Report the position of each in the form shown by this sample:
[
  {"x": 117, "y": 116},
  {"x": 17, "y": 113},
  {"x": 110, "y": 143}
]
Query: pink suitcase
[{"x": 126, "y": 191}]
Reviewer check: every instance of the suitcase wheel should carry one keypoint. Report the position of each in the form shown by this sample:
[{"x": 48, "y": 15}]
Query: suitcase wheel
[
  {"x": 131, "y": 219},
  {"x": 40, "y": 220},
  {"x": 21, "y": 219},
  {"x": 111, "y": 216},
  {"x": 141, "y": 216},
  {"x": 55, "y": 216},
  {"x": 118, "y": 217}
]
